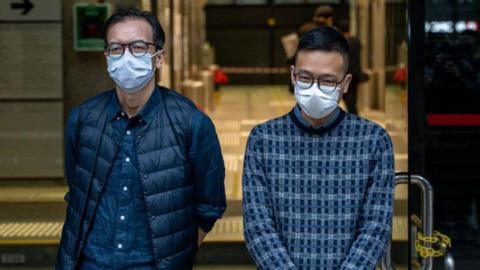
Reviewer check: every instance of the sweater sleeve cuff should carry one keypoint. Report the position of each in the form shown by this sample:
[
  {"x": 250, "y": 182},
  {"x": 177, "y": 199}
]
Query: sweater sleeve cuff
[{"x": 206, "y": 224}]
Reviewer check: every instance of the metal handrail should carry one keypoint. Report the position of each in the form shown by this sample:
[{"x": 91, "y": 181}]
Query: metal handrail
[{"x": 427, "y": 216}]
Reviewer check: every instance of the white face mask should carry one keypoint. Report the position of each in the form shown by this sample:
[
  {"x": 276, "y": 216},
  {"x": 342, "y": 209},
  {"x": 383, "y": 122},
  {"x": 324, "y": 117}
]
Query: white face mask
[
  {"x": 316, "y": 103},
  {"x": 131, "y": 73}
]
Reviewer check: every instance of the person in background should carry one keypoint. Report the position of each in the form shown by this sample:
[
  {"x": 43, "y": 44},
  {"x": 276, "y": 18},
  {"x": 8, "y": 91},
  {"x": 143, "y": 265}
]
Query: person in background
[
  {"x": 144, "y": 166},
  {"x": 318, "y": 183},
  {"x": 304, "y": 28},
  {"x": 323, "y": 15},
  {"x": 354, "y": 67}
]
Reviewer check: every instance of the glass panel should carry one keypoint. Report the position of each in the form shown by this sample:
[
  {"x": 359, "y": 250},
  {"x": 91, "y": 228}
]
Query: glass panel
[
  {"x": 251, "y": 2},
  {"x": 381, "y": 28},
  {"x": 289, "y": 1},
  {"x": 324, "y": 1},
  {"x": 220, "y": 2},
  {"x": 146, "y": 5},
  {"x": 452, "y": 84},
  {"x": 396, "y": 109},
  {"x": 396, "y": 116}
]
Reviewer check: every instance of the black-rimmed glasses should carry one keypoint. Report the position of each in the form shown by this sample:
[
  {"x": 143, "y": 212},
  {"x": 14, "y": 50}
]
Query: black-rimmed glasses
[
  {"x": 137, "y": 48},
  {"x": 306, "y": 81}
]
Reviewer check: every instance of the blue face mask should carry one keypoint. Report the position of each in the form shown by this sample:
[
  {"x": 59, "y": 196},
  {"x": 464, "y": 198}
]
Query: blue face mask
[{"x": 131, "y": 73}]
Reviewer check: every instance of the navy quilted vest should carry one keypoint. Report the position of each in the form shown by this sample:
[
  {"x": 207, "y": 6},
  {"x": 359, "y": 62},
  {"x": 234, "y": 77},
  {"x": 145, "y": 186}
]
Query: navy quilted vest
[{"x": 162, "y": 149}]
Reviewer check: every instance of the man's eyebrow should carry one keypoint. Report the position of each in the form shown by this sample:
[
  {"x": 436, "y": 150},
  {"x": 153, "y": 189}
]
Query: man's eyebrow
[
  {"x": 328, "y": 76},
  {"x": 130, "y": 41},
  {"x": 302, "y": 71}
]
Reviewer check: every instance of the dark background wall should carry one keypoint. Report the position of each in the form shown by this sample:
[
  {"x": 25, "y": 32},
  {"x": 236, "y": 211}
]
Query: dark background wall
[{"x": 85, "y": 73}]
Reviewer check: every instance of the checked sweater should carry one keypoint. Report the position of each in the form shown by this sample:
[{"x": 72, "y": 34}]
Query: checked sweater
[{"x": 318, "y": 198}]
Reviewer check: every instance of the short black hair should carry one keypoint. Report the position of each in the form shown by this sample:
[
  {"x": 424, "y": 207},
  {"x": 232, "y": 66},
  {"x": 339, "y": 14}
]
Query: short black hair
[
  {"x": 324, "y": 38},
  {"x": 133, "y": 13}
]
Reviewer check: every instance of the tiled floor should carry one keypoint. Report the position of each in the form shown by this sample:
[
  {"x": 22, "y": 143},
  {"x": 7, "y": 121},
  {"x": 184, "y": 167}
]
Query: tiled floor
[{"x": 238, "y": 109}]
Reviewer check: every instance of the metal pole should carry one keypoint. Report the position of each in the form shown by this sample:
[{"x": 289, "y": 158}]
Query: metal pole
[
  {"x": 427, "y": 216},
  {"x": 386, "y": 263},
  {"x": 427, "y": 212}
]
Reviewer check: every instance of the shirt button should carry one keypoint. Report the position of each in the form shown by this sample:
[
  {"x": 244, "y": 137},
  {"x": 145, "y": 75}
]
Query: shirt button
[
  {"x": 122, "y": 113},
  {"x": 122, "y": 217},
  {"x": 127, "y": 159},
  {"x": 118, "y": 117},
  {"x": 125, "y": 188},
  {"x": 120, "y": 246},
  {"x": 145, "y": 176},
  {"x": 140, "y": 120},
  {"x": 129, "y": 132}
]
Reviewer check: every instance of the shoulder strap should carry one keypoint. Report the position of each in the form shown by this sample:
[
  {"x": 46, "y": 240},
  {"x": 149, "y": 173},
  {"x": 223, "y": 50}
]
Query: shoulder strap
[{"x": 103, "y": 121}]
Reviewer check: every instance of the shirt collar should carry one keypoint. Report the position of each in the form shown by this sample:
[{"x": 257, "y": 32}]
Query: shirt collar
[
  {"x": 146, "y": 113},
  {"x": 298, "y": 113},
  {"x": 114, "y": 110},
  {"x": 149, "y": 109},
  {"x": 333, "y": 122}
]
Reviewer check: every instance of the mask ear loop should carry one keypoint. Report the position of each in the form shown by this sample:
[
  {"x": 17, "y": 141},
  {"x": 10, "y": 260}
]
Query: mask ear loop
[
  {"x": 151, "y": 57},
  {"x": 155, "y": 55},
  {"x": 155, "y": 66}
]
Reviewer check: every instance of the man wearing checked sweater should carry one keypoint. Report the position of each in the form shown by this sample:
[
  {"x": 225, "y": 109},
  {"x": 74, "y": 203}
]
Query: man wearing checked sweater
[{"x": 318, "y": 183}]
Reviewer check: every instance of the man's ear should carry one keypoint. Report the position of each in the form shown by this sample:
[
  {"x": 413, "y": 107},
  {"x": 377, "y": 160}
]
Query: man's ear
[
  {"x": 346, "y": 84},
  {"x": 292, "y": 77},
  {"x": 159, "y": 59}
]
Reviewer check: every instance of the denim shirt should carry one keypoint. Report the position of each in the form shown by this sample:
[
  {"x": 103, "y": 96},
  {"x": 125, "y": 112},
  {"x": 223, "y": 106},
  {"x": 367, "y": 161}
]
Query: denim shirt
[{"x": 120, "y": 237}]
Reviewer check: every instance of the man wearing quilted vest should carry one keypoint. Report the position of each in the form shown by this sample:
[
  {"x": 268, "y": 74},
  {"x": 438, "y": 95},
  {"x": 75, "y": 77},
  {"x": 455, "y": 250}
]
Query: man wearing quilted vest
[{"x": 143, "y": 165}]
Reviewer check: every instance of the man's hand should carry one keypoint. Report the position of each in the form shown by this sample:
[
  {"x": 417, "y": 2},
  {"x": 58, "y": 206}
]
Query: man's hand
[{"x": 201, "y": 236}]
